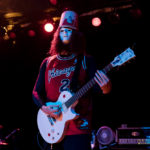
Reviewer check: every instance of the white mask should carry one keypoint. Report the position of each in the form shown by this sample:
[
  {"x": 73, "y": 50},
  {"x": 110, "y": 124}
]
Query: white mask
[{"x": 65, "y": 35}]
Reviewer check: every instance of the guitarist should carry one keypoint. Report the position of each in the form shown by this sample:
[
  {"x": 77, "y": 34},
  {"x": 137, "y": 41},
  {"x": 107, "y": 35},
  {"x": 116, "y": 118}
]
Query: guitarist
[{"x": 68, "y": 68}]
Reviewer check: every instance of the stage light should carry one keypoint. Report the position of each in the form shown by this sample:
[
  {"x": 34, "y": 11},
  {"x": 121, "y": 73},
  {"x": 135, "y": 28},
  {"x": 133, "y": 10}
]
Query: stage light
[
  {"x": 54, "y": 2},
  {"x": 96, "y": 21},
  {"x": 31, "y": 33},
  {"x": 6, "y": 37},
  {"x": 136, "y": 13},
  {"x": 48, "y": 27},
  {"x": 12, "y": 35},
  {"x": 2, "y": 31}
]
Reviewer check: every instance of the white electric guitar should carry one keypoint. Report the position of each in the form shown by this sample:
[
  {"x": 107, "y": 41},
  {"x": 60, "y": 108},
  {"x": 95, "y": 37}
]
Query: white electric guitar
[{"x": 53, "y": 130}]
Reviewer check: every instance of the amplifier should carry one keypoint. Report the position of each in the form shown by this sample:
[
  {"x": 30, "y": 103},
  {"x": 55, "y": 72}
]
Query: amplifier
[{"x": 133, "y": 135}]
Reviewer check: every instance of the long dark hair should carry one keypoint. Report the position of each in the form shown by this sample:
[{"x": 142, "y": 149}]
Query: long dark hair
[{"x": 76, "y": 44}]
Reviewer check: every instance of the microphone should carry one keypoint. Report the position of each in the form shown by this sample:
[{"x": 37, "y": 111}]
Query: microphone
[{"x": 12, "y": 133}]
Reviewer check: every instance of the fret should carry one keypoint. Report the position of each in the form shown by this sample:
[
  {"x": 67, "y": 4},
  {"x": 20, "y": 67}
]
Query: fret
[{"x": 107, "y": 68}]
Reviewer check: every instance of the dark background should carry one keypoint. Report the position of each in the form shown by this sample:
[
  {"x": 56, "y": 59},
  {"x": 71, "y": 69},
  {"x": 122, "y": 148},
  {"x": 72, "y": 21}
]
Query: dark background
[{"x": 20, "y": 59}]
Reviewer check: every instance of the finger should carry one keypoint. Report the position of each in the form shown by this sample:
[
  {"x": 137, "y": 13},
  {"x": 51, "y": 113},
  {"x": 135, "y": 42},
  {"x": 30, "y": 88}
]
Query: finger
[
  {"x": 102, "y": 75},
  {"x": 100, "y": 79},
  {"x": 98, "y": 82},
  {"x": 55, "y": 105},
  {"x": 53, "y": 110},
  {"x": 56, "y": 114}
]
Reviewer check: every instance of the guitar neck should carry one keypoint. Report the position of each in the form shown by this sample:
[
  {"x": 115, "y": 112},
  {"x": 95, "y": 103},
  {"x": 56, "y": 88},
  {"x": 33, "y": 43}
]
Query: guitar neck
[{"x": 85, "y": 88}]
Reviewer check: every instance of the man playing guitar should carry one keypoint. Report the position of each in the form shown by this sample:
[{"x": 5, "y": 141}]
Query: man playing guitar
[{"x": 61, "y": 74}]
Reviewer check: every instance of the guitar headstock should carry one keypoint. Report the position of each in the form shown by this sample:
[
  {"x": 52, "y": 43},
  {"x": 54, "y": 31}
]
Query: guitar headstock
[{"x": 122, "y": 58}]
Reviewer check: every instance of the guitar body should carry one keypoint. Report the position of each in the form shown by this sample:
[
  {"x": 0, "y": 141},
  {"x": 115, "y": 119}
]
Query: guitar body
[{"x": 53, "y": 130}]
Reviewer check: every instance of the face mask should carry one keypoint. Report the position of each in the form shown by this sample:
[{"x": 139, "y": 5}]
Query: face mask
[{"x": 65, "y": 35}]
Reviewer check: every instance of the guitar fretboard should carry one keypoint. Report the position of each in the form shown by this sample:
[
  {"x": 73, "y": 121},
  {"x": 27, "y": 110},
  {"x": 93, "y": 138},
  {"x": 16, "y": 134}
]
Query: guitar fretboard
[{"x": 85, "y": 88}]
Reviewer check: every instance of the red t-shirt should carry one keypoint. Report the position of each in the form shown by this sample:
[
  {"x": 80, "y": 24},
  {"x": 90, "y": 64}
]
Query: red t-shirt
[{"x": 58, "y": 75}]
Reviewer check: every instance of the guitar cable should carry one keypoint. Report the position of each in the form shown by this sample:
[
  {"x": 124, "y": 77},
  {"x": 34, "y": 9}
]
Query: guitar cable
[{"x": 39, "y": 142}]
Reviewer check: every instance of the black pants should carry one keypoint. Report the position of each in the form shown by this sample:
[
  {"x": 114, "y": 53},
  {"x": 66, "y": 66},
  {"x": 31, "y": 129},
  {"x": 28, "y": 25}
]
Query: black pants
[{"x": 71, "y": 142}]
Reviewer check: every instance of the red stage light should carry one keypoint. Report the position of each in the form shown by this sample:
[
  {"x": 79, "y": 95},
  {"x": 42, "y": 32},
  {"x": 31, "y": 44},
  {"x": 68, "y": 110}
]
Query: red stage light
[
  {"x": 136, "y": 13},
  {"x": 96, "y": 21},
  {"x": 48, "y": 27},
  {"x": 54, "y": 2},
  {"x": 31, "y": 33},
  {"x": 12, "y": 35}
]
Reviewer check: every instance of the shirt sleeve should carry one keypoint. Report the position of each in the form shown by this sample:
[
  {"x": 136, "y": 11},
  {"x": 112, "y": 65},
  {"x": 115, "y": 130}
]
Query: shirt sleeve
[{"x": 38, "y": 93}]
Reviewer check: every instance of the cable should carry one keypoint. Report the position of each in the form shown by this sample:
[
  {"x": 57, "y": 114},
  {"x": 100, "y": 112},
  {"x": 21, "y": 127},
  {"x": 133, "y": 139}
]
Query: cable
[{"x": 39, "y": 142}]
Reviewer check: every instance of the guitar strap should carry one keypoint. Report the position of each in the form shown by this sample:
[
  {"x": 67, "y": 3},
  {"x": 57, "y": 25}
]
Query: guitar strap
[{"x": 74, "y": 81}]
